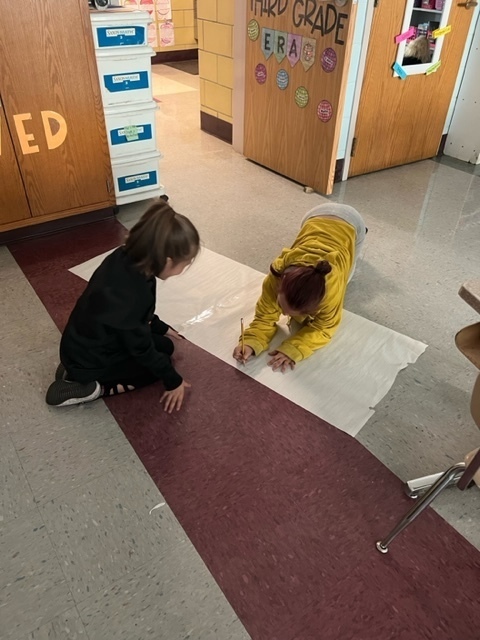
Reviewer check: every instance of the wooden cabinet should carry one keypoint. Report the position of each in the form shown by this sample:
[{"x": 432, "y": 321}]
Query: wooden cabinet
[
  {"x": 13, "y": 201},
  {"x": 54, "y": 157}
]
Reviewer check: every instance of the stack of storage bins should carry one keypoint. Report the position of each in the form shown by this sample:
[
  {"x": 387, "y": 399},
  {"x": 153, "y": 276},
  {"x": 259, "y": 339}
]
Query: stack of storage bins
[{"x": 124, "y": 68}]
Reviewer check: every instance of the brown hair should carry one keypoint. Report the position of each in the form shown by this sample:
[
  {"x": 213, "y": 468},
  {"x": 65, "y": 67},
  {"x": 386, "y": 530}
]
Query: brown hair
[
  {"x": 161, "y": 233},
  {"x": 304, "y": 286}
]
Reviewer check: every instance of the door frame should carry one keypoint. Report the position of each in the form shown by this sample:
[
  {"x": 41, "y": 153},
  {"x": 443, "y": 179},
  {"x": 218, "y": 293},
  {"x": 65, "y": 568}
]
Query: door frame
[
  {"x": 358, "y": 88},
  {"x": 239, "y": 52}
]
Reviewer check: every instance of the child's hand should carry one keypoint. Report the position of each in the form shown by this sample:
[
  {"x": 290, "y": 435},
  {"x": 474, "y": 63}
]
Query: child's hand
[
  {"x": 174, "y": 399},
  {"x": 280, "y": 362},
  {"x": 245, "y": 356}
]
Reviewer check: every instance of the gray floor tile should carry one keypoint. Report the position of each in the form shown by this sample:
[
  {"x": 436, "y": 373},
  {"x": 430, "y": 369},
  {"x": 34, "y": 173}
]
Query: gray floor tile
[
  {"x": 173, "y": 598},
  {"x": 103, "y": 530},
  {"x": 22, "y": 335},
  {"x": 26, "y": 325},
  {"x": 66, "y": 626},
  {"x": 15, "y": 493},
  {"x": 24, "y": 381},
  {"x": 33, "y": 589},
  {"x": 59, "y": 455}
]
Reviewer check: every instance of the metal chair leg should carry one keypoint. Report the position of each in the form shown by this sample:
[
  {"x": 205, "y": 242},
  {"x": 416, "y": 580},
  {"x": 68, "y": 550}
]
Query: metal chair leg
[{"x": 421, "y": 505}]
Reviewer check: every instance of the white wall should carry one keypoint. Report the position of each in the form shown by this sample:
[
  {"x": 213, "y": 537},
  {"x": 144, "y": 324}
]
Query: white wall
[
  {"x": 463, "y": 140},
  {"x": 461, "y": 70}
]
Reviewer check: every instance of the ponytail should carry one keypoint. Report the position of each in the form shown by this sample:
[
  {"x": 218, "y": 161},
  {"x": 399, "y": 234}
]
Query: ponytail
[{"x": 323, "y": 268}]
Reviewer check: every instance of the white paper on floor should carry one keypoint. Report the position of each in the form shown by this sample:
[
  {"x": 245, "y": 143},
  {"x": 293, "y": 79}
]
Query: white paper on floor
[{"x": 341, "y": 383}]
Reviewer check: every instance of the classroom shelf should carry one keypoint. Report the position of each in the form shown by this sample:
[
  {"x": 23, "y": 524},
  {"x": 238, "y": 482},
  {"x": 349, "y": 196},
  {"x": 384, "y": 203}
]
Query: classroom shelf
[{"x": 429, "y": 11}]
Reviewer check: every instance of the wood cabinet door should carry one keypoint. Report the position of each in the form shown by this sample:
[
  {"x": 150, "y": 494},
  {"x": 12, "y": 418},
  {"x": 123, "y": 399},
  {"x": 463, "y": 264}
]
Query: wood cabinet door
[
  {"x": 13, "y": 201},
  {"x": 49, "y": 83}
]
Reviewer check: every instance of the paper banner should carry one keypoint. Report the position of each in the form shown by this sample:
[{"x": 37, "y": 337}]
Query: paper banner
[
  {"x": 294, "y": 48},
  {"x": 164, "y": 10},
  {"x": 441, "y": 32},
  {"x": 329, "y": 60},
  {"x": 153, "y": 35},
  {"x": 433, "y": 68},
  {"x": 261, "y": 73},
  {"x": 167, "y": 34},
  {"x": 301, "y": 97},
  {"x": 147, "y": 5},
  {"x": 253, "y": 30},
  {"x": 324, "y": 111},
  {"x": 268, "y": 42},
  {"x": 340, "y": 383},
  {"x": 400, "y": 71},
  {"x": 405, "y": 35},
  {"x": 309, "y": 46},
  {"x": 282, "y": 79},
  {"x": 280, "y": 49}
]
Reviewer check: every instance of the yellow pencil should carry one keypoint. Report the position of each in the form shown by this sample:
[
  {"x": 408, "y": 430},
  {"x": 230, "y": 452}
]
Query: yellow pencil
[{"x": 243, "y": 338}]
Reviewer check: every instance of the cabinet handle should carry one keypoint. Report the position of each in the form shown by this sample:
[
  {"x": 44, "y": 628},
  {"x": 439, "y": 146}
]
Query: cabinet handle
[{"x": 109, "y": 186}]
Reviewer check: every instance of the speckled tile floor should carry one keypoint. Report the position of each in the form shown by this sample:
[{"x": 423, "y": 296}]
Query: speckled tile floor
[{"x": 80, "y": 555}]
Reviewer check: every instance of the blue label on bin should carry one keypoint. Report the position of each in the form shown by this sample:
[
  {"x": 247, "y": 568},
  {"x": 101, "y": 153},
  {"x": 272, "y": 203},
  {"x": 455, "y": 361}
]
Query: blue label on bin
[
  {"x": 126, "y": 81},
  {"x": 120, "y": 36},
  {"x": 118, "y": 136},
  {"x": 137, "y": 181}
]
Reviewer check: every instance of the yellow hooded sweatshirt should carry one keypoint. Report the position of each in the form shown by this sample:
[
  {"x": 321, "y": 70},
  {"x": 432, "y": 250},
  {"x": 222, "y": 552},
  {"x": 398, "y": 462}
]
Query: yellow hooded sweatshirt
[{"x": 319, "y": 239}]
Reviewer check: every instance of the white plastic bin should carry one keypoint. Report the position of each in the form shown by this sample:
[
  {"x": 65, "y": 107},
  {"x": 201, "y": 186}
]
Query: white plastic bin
[
  {"x": 131, "y": 131},
  {"x": 137, "y": 177},
  {"x": 126, "y": 78},
  {"x": 120, "y": 28}
]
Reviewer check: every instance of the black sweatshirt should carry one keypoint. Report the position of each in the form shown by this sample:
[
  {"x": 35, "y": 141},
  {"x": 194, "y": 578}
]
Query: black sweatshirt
[{"x": 110, "y": 324}]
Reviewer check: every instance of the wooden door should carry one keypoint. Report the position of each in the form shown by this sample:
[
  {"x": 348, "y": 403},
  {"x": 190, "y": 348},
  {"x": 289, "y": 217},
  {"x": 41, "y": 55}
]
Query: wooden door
[
  {"x": 51, "y": 93},
  {"x": 402, "y": 121},
  {"x": 13, "y": 201},
  {"x": 293, "y": 109}
]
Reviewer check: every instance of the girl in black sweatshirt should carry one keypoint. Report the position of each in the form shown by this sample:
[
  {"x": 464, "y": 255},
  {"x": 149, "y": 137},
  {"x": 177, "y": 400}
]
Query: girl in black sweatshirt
[{"x": 113, "y": 341}]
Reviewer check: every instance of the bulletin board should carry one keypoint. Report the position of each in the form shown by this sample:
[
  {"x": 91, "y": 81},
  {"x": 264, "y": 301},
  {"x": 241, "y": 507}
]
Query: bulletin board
[{"x": 297, "y": 58}]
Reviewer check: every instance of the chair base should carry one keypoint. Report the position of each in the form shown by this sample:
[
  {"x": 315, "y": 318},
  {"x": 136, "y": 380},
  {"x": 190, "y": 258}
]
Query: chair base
[
  {"x": 415, "y": 488},
  {"x": 445, "y": 480}
]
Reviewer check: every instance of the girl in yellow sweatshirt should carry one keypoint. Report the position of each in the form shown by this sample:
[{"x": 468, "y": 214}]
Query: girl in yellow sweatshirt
[{"x": 308, "y": 283}]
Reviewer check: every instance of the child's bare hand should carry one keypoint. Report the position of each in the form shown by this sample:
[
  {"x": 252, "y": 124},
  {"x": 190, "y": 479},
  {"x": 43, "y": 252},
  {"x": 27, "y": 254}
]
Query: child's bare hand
[
  {"x": 280, "y": 362},
  {"x": 174, "y": 399},
  {"x": 245, "y": 356}
]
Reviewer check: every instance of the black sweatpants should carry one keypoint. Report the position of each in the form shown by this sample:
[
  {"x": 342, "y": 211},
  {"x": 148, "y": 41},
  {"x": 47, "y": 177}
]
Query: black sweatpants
[{"x": 130, "y": 373}]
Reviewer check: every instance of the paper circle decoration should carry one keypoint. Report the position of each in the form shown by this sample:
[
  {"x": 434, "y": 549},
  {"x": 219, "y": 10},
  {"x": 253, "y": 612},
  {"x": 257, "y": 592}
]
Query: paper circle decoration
[
  {"x": 261, "y": 73},
  {"x": 329, "y": 60},
  {"x": 301, "y": 97},
  {"x": 282, "y": 79},
  {"x": 324, "y": 111},
  {"x": 253, "y": 30}
]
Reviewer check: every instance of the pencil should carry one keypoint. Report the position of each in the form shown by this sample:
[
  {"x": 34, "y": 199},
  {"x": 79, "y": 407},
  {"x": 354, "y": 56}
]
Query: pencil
[{"x": 243, "y": 337}]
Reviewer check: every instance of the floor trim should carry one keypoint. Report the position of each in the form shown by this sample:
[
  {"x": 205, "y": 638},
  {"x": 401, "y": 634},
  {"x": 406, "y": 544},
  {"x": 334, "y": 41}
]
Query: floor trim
[{"x": 216, "y": 127}]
